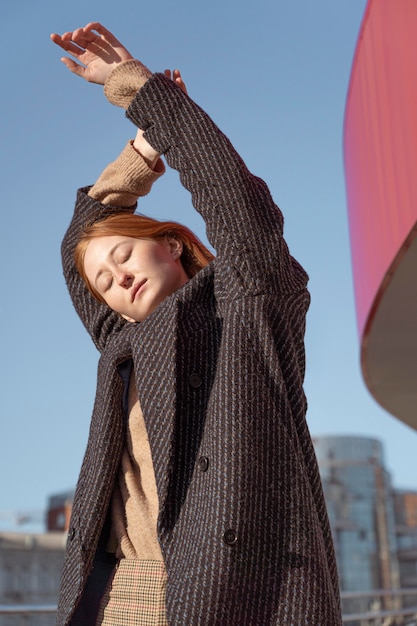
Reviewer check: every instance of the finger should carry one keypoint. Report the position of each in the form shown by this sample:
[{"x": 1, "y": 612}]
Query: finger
[
  {"x": 167, "y": 74},
  {"x": 67, "y": 36},
  {"x": 71, "y": 33},
  {"x": 181, "y": 85},
  {"x": 74, "y": 67},
  {"x": 95, "y": 43},
  {"x": 68, "y": 46},
  {"x": 56, "y": 39},
  {"x": 77, "y": 43},
  {"x": 81, "y": 39},
  {"x": 99, "y": 28},
  {"x": 179, "y": 81},
  {"x": 77, "y": 36}
]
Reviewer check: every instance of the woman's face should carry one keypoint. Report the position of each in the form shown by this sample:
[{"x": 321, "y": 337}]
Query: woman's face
[{"x": 134, "y": 275}]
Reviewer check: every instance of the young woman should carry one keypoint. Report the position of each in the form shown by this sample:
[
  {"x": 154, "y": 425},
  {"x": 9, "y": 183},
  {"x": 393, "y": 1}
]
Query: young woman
[{"x": 199, "y": 500}]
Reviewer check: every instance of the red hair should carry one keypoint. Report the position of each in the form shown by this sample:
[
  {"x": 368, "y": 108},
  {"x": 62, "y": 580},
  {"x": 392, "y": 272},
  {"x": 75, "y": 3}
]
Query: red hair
[{"x": 194, "y": 255}]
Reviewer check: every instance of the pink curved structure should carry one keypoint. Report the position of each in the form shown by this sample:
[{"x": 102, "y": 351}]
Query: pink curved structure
[{"x": 380, "y": 151}]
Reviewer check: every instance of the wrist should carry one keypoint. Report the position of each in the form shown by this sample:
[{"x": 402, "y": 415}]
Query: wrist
[
  {"x": 124, "y": 81},
  {"x": 147, "y": 152}
]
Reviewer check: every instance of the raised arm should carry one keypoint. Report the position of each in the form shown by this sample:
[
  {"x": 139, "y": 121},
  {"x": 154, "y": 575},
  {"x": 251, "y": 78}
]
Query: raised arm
[
  {"x": 130, "y": 176},
  {"x": 96, "y": 52},
  {"x": 243, "y": 223}
]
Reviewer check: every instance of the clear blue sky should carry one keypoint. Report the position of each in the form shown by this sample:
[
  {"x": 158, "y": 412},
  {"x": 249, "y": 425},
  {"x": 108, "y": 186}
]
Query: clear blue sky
[{"x": 273, "y": 75}]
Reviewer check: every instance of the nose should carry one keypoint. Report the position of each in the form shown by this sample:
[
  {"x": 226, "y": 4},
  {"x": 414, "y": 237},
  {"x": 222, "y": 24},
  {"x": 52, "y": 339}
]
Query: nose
[{"x": 124, "y": 279}]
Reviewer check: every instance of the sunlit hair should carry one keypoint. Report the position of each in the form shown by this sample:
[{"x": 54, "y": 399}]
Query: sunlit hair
[{"x": 194, "y": 256}]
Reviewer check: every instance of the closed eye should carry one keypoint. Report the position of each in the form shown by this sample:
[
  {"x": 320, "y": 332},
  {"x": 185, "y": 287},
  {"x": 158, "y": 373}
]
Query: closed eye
[
  {"x": 105, "y": 282},
  {"x": 124, "y": 256},
  {"x": 108, "y": 284}
]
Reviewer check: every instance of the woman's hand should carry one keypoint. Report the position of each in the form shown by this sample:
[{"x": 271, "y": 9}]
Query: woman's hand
[
  {"x": 97, "y": 50},
  {"x": 176, "y": 77}
]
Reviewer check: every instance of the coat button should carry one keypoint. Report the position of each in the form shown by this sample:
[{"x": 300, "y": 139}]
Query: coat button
[
  {"x": 71, "y": 533},
  {"x": 203, "y": 463},
  {"x": 195, "y": 380},
  {"x": 230, "y": 537}
]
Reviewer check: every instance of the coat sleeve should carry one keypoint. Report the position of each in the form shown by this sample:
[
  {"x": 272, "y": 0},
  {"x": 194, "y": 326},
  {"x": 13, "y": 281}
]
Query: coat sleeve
[
  {"x": 243, "y": 224},
  {"x": 116, "y": 191}
]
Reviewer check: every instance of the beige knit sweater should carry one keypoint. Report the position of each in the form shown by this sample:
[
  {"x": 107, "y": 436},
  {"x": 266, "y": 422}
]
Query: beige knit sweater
[{"x": 135, "y": 501}]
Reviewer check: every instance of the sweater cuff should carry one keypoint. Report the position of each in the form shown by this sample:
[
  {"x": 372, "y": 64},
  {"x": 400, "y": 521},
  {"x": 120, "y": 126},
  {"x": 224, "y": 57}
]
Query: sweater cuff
[
  {"x": 124, "y": 81},
  {"x": 126, "y": 179}
]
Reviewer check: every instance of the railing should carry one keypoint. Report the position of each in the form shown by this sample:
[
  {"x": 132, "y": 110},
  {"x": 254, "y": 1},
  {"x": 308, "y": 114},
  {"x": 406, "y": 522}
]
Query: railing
[
  {"x": 26, "y": 609},
  {"x": 376, "y": 599}
]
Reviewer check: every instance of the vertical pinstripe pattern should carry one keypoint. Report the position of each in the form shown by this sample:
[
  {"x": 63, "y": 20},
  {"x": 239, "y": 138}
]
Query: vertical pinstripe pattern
[{"x": 219, "y": 368}]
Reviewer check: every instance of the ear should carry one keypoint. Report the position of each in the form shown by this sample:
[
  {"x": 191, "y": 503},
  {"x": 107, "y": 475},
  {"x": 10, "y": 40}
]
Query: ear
[{"x": 175, "y": 246}]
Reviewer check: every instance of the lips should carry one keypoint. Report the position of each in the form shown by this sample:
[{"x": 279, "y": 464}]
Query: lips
[{"x": 137, "y": 287}]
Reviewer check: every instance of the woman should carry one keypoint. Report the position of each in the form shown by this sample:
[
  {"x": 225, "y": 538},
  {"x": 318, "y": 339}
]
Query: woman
[{"x": 199, "y": 417}]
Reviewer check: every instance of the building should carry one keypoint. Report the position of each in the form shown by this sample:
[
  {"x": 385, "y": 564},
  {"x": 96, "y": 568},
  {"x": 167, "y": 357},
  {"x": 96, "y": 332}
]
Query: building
[
  {"x": 59, "y": 511},
  {"x": 359, "y": 500},
  {"x": 30, "y": 569},
  {"x": 405, "y": 507},
  {"x": 31, "y": 563}
]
